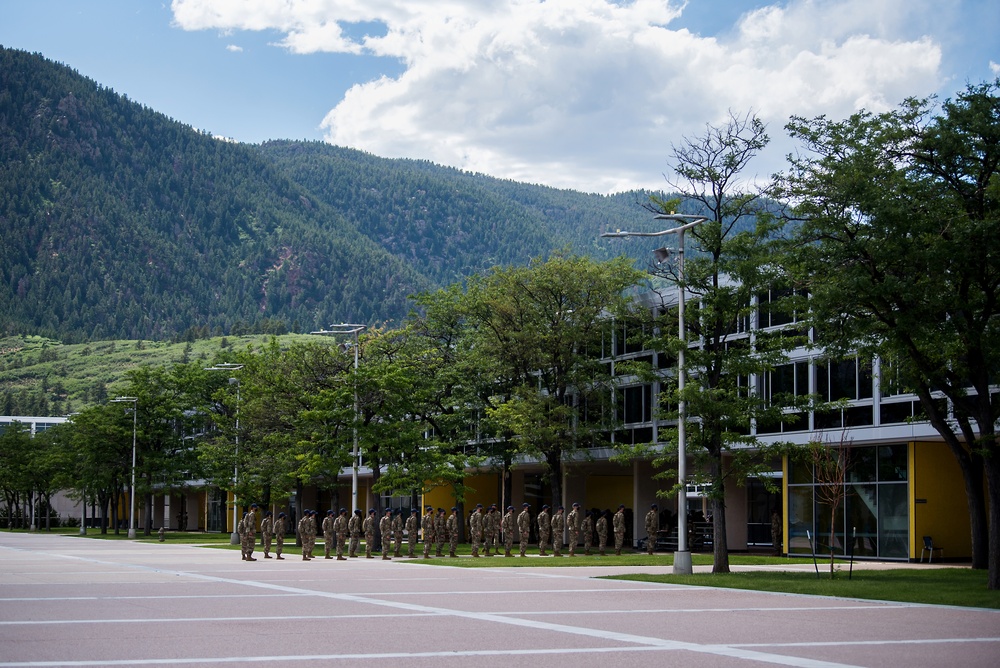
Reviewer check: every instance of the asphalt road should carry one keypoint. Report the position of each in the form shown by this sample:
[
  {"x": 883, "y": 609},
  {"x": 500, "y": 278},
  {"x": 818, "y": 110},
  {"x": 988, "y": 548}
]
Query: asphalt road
[{"x": 67, "y": 601}]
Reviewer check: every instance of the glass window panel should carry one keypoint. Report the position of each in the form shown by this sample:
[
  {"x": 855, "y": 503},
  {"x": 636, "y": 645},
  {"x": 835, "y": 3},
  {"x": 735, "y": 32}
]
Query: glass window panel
[
  {"x": 859, "y": 416},
  {"x": 865, "y": 380},
  {"x": 843, "y": 380},
  {"x": 863, "y": 464},
  {"x": 826, "y": 519},
  {"x": 897, "y": 413},
  {"x": 800, "y": 519},
  {"x": 892, "y": 462},
  {"x": 800, "y": 472},
  {"x": 894, "y": 521},
  {"x": 862, "y": 519}
]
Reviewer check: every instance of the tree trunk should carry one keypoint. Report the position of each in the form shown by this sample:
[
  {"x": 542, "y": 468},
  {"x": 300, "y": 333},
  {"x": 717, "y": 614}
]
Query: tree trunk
[{"x": 720, "y": 541}]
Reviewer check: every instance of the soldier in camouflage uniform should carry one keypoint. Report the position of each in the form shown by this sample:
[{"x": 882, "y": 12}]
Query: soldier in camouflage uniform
[
  {"x": 311, "y": 532},
  {"x": 587, "y": 531},
  {"x": 573, "y": 525},
  {"x": 328, "y": 533},
  {"x": 524, "y": 527},
  {"x": 652, "y": 527},
  {"x": 427, "y": 524},
  {"x": 558, "y": 521},
  {"x": 452, "y": 527},
  {"x": 602, "y": 532},
  {"x": 397, "y": 532},
  {"x": 544, "y": 529},
  {"x": 340, "y": 529},
  {"x": 241, "y": 529},
  {"x": 440, "y": 531},
  {"x": 385, "y": 528},
  {"x": 412, "y": 526},
  {"x": 301, "y": 527},
  {"x": 507, "y": 525},
  {"x": 618, "y": 524},
  {"x": 279, "y": 536},
  {"x": 354, "y": 527},
  {"x": 491, "y": 531},
  {"x": 266, "y": 531},
  {"x": 476, "y": 528},
  {"x": 250, "y": 532},
  {"x": 369, "y": 528}
]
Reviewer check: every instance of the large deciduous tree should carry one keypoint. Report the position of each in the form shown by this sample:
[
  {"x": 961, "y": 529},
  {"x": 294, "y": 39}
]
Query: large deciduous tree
[
  {"x": 729, "y": 265},
  {"x": 898, "y": 243},
  {"x": 538, "y": 331}
]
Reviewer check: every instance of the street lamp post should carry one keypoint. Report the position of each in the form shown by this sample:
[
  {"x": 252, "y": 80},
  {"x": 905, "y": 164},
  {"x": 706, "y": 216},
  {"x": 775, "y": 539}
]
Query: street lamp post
[
  {"x": 234, "y": 538},
  {"x": 682, "y": 557},
  {"x": 135, "y": 412},
  {"x": 349, "y": 328}
]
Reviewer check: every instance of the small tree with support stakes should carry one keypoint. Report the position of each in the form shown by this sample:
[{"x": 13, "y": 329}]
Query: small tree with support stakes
[{"x": 830, "y": 464}]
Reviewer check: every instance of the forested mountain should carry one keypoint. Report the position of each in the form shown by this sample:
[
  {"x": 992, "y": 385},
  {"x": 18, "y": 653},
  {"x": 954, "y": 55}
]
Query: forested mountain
[{"x": 118, "y": 222}]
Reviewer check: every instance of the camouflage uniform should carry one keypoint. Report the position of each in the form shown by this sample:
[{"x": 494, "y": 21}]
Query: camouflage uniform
[
  {"x": 241, "y": 530},
  {"x": 652, "y": 526},
  {"x": 427, "y": 524},
  {"x": 385, "y": 528},
  {"x": 440, "y": 531},
  {"x": 412, "y": 525},
  {"x": 452, "y": 526},
  {"x": 303, "y": 537},
  {"x": 557, "y": 532},
  {"x": 476, "y": 529},
  {"x": 397, "y": 532},
  {"x": 524, "y": 528},
  {"x": 573, "y": 525},
  {"x": 602, "y": 533},
  {"x": 279, "y": 535},
  {"x": 587, "y": 529},
  {"x": 340, "y": 528},
  {"x": 311, "y": 532},
  {"x": 544, "y": 529},
  {"x": 618, "y": 523},
  {"x": 507, "y": 525},
  {"x": 369, "y": 528},
  {"x": 491, "y": 527},
  {"x": 328, "y": 534},
  {"x": 354, "y": 527},
  {"x": 250, "y": 532},
  {"x": 266, "y": 532}
]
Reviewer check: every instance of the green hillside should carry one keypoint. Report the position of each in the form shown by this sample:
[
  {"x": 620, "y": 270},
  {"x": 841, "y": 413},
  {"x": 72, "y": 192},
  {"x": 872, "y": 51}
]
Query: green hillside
[
  {"x": 40, "y": 376},
  {"x": 120, "y": 223}
]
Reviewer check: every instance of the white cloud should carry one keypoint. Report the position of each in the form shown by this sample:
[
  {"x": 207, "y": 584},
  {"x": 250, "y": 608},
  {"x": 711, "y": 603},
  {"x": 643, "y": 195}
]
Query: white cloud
[
  {"x": 995, "y": 67},
  {"x": 233, "y": 48},
  {"x": 589, "y": 94}
]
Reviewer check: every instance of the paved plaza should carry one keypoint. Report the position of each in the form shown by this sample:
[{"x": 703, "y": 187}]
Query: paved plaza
[{"x": 67, "y": 601}]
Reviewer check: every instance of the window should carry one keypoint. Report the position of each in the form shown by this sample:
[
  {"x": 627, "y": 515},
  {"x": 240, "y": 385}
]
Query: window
[{"x": 844, "y": 379}]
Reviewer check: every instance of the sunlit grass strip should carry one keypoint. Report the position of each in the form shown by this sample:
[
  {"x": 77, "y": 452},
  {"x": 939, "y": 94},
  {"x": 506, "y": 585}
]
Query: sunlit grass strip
[{"x": 939, "y": 586}]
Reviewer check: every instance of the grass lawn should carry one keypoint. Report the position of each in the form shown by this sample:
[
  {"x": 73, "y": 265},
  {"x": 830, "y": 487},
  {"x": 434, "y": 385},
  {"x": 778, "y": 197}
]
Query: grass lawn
[{"x": 940, "y": 586}]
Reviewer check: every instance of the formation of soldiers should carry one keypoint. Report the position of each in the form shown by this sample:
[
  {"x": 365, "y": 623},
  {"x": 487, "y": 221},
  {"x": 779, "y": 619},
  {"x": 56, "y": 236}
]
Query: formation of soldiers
[{"x": 487, "y": 529}]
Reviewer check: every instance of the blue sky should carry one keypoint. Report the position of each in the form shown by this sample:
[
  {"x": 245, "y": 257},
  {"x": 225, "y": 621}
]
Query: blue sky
[{"x": 587, "y": 94}]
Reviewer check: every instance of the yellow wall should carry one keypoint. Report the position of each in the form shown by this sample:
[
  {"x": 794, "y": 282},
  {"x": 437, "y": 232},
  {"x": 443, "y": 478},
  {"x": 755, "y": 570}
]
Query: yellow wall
[
  {"x": 481, "y": 488},
  {"x": 607, "y": 491},
  {"x": 937, "y": 500}
]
